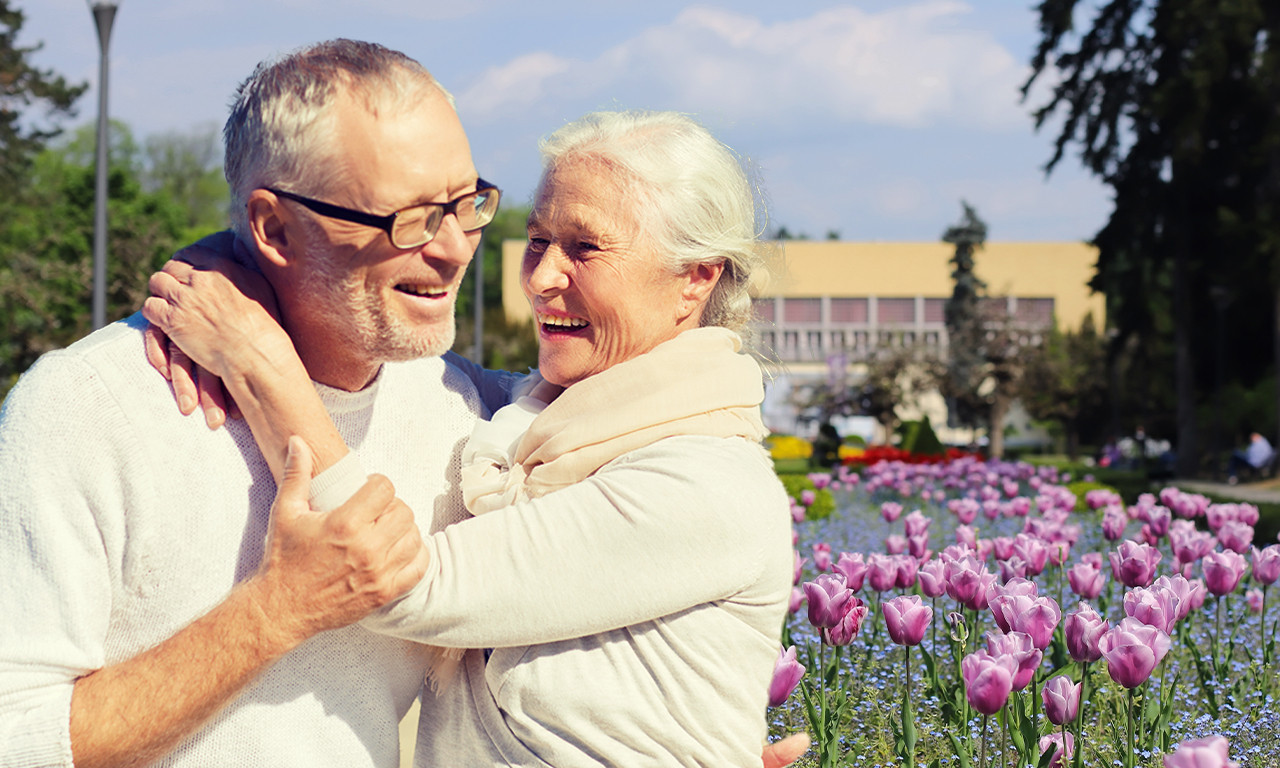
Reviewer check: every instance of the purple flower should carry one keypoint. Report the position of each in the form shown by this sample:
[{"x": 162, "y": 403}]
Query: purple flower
[
  {"x": 906, "y": 618},
  {"x": 1266, "y": 564},
  {"x": 1211, "y": 752},
  {"x": 1083, "y": 629},
  {"x": 882, "y": 571},
  {"x": 1086, "y": 580},
  {"x": 1134, "y": 564},
  {"x": 1154, "y": 607},
  {"x": 786, "y": 676},
  {"x": 829, "y": 599},
  {"x": 822, "y": 556},
  {"x": 1061, "y": 699},
  {"x": 1019, "y": 647},
  {"x": 853, "y": 568},
  {"x": 1236, "y": 536},
  {"x": 890, "y": 511},
  {"x": 1063, "y": 746},
  {"x": 843, "y": 632},
  {"x": 988, "y": 680},
  {"x": 933, "y": 578},
  {"x": 1133, "y": 650},
  {"x": 1223, "y": 571}
]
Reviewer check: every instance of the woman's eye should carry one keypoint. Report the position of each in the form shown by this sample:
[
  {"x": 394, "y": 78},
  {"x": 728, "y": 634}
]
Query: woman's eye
[{"x": 585, "y": 246}]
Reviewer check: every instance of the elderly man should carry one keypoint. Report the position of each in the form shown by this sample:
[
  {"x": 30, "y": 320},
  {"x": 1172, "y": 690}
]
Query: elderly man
[
  {"x": 157, "y": 609},
  {"x": 144, "y": 614}
]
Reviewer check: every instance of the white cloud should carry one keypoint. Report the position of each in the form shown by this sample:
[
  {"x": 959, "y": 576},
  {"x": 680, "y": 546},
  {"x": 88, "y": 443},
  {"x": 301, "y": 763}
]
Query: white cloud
[{"x": 913, "y": 65}]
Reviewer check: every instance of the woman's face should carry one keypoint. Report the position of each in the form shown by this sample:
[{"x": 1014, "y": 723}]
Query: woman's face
[{"x": 599, "y": 292}]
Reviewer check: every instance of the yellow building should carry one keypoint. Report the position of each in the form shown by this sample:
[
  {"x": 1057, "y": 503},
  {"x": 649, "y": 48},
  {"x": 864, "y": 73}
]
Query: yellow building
[{"x": 843, "y": 300}]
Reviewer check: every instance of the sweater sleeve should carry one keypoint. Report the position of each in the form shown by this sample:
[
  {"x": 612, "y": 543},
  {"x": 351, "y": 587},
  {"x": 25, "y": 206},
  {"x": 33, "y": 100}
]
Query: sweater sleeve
[
  {"x": 686, "y": 521},
  {"x": 56, "y": 597},
  {"x": 494, "y": 386}
]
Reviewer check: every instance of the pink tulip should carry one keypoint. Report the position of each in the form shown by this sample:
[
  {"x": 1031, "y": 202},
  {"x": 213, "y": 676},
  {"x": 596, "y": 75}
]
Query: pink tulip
[
  {"x": 796, "y": 600},
  {"x": 906, "y": 573},
  {"x": 1019, "y": 647},
  {"x": 1032, "y": 550},
  {"x": 1002, "y": 547},
  {"x": 968, "y": 581},
  {"x": 852, "y": 567},
  {"x": 933, "y": 578},
  {"x": 1011, "y": 569},
  {"x": 1153, "y": 607},
  {"x": 988, "y": 680},
  {"x": 882, "y": 571},
  {"x": 1063, "y": 746},
  {"x": 1133, "y": 650},
  {"x": 1159, "y": 519},
  {"x": 967, "y": 535},
  {"x": 890, "y": 511},
  {"x": 1211, "y": 752},
  {"x": 829, "y": 599},
  {"x": 1223, "y": 571},
  {"x": 918, "y": 546},
  {"x": 807, "y": 497},
  {"x": 1254, "y": 599},
  {"x": 1180, "y": 590},
  {"x": 895, "y": 544},
  {"x": 1061, "y": 699},
  {"x": 1085, "y": 580},
  {"x": 1134, "y": 564},
  {"x": 965, "y": 510},
  {"x": 906, "y": 618},
  {"x": 1266, "y": 564},
  {"x": 1114, "y": 521},
  {"x": 1083, "y": 629},
  {"x": 800, "y": 561},
  {"x": 1093, "y": 558},
  {"x": 786, "y": 676},
  {"x": 916, "y": 523},
  {"x": 1236, "y": 536},
  {"x": 845, "y": 630}
]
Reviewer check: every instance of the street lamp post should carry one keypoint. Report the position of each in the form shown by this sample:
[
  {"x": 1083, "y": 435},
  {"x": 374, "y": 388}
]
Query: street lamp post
[{"x": 104, "y": 12}]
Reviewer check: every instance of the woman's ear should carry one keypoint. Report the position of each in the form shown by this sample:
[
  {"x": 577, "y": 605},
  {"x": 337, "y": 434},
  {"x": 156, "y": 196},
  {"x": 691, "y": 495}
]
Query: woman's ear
[
  {"x": 699, "y": 282},
  {"x": 271, "y": 225}
]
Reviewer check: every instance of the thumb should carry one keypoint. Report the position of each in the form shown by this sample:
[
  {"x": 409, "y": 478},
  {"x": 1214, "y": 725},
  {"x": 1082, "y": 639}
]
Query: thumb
[{"x": 294, "y": 493}]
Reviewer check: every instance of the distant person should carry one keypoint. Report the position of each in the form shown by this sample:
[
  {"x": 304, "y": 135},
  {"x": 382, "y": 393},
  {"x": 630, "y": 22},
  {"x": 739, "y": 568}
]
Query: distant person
[{"x": 1257, "y": 455}]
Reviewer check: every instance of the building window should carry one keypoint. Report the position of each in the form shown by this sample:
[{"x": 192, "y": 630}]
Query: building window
[
  {"x": 852, "y": 311},
  {"x": 763, "y": 309},
  {"x": 802, "y": 311},
  {"x": 1034, "y": 311},
  {"x": 896, "y": 311},
  {"x": 935, "y": 310}
]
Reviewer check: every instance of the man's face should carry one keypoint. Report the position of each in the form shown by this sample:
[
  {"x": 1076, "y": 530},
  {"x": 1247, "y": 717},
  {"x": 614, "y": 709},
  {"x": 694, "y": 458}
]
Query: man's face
[{"x": 364, "y": 300}]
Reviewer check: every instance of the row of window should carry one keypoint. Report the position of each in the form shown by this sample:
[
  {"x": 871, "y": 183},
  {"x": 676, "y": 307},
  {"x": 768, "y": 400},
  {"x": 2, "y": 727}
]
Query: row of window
[{"x": 919, "y": 310}]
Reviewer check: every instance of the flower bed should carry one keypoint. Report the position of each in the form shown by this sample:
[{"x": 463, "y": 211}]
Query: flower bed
[{"x": 967, "y": 614}]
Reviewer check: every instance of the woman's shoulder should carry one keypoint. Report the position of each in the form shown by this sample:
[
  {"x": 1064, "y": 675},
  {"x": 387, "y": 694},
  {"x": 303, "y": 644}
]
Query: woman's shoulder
[{"x": 714, "y": 465}]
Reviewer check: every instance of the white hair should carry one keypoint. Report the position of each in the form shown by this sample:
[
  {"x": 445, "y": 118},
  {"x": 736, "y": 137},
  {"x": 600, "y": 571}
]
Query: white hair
[
  {"x": 282, "y": 125},
  {"x": 692, "y": 196}
]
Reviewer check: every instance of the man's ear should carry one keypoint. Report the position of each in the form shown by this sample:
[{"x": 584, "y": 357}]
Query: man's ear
[
  {"x": 699, "y": 282},
  {"x": 273, "y": 227}
]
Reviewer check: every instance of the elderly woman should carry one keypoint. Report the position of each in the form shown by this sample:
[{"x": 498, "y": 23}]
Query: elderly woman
[{"x": 629, "y": 563}]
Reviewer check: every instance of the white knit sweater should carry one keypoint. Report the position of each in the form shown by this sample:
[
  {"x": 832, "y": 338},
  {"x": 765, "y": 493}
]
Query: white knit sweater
[
  {"x": 634, "y": 616},
  {"x": 122, "y": 520}
]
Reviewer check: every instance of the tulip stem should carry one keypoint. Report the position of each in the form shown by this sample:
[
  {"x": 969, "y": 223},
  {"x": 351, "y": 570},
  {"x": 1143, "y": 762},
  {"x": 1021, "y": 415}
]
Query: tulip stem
[
  {"x": 982, "y": 750},
  {"x": 1128, "y": 757},
  {"x": 1084, "y": 696},
  {"x": 1262, "y": 638}
]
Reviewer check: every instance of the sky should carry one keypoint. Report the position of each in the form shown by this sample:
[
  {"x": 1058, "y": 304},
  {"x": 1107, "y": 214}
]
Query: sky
[{"x": 872, "y": 118}]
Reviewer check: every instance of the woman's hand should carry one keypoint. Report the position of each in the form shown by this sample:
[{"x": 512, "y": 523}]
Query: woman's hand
[{"x": 210, "y": 317}]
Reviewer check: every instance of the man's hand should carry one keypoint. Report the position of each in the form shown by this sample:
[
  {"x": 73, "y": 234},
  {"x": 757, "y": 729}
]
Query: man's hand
[
  {"x": 785, "y": 752},
  {"x": 327, "y": 570}
]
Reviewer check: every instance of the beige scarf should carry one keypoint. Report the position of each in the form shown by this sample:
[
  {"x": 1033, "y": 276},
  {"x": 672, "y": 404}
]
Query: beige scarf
[{"x": 699, "y": 383}]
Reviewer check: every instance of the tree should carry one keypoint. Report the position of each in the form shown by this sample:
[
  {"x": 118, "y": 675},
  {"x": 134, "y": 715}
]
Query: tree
[
  {"x": 895, "y": 377},
  {"x": 962, "y": 315},
  {"x": 25, "y": 91},
  {"x": 46, "y": 256},
  {"x": 1173, "y": 104},
  {"x": 506, "y": 346},
  {"x": 1065, "y": 382}
]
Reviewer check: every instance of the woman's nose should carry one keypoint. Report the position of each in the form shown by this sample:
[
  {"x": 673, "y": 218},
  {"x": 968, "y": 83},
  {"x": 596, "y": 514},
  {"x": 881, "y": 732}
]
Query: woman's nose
[{"x": 545, "y": 274}]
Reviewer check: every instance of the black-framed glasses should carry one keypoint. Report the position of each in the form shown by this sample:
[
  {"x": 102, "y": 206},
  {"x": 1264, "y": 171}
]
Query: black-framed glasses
[{"x": 416, "y": 225}]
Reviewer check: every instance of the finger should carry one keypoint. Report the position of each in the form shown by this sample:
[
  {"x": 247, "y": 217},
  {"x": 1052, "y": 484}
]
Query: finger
[
  {"x": 295, "y": 484},
  {"x": 179, "y": 271},
  {"x": 787, "y": 751},
  {"x": 367, "y": 504},
  {"x": 416, "y": 558},
  {"x": 212, "y": 401},
  {"x": 156, "y": 345},
  {"x": 233, "y": 409},
  {"x": 183, "y": 379}
]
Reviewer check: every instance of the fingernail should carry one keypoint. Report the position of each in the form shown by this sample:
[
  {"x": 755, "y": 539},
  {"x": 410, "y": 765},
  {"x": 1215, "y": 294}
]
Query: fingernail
[{"x": 185, "y": 404}]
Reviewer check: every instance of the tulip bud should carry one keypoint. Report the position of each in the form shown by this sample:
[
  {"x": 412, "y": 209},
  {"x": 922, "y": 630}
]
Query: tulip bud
[
  {"x": 786, "y": 676},
  {"x": 1061, "y": 699}
]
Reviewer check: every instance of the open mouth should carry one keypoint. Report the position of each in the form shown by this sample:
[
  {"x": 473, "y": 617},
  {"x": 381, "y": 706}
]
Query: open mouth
[
  {"x": 423, "y": 291},
  {"x": 561, "y": 325}
]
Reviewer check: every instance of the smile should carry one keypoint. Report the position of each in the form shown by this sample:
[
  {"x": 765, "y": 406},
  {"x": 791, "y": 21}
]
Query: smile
[
  {"x": 423, "y": 290},
  {"x": 558, "y": 322}
]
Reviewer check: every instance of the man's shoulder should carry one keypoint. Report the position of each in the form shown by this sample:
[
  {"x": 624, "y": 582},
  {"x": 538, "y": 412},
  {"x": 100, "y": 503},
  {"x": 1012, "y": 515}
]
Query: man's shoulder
[{"x": 111, "y": 357}]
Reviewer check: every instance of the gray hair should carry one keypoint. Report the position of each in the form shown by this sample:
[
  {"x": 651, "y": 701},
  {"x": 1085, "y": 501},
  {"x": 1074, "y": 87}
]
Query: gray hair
[
  {"x": 693, "y": 198},
  {"x": 281, "y": 128}
]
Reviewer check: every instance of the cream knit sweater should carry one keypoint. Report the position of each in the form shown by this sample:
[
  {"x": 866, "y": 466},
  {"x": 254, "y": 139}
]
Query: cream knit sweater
[{"x": 122, "y": 520}]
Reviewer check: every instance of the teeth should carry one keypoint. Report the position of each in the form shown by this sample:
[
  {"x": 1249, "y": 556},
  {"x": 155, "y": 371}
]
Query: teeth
[
  {"x": 567, "y": 322},
  {"x": 422, "y": 290}
]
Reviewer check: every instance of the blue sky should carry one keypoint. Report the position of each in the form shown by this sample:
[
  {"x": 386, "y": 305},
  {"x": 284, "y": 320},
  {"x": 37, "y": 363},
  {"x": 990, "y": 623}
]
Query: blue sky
[{"x": 870, "y": 118}]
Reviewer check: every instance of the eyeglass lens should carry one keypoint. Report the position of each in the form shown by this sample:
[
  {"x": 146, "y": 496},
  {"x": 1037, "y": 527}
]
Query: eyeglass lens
[{"x": 418, "y": 225}]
